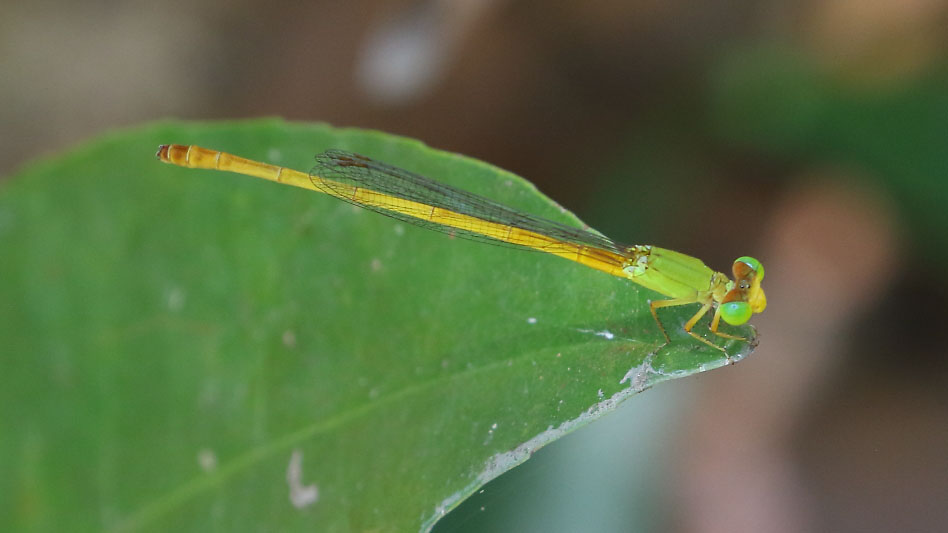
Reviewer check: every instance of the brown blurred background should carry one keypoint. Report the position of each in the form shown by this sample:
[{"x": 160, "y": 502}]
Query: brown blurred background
[{"x": 811, "y": 134}]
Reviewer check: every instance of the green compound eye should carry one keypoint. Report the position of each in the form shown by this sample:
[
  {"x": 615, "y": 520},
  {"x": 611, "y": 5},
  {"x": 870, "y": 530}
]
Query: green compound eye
[
  {"x": 753, "y": 263},
  {"x": 736, "y": 313}
]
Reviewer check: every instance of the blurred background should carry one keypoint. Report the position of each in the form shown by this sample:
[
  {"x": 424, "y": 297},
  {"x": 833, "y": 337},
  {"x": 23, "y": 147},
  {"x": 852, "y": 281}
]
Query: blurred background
[{"x": 810, "y": 134}]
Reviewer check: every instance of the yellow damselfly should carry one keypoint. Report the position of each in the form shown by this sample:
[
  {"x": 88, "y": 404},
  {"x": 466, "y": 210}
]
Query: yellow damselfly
[{"x": 424, "y": 202}]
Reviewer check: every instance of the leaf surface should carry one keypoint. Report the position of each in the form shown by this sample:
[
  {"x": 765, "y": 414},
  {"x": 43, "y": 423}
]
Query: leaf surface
[{"x": 196, "y": 350}]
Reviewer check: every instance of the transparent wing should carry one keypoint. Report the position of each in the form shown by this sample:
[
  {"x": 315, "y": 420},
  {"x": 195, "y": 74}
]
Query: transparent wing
[{"x": 410, "y": 197}]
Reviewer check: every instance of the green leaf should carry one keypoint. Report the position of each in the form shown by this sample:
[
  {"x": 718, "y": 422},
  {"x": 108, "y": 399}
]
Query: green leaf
[{"x": 197, "y": 350}]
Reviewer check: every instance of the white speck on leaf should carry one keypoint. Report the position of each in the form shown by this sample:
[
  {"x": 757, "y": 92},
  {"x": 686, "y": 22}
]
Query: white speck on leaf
[
  {"x": 300, "y": 495},
  {"x": 531, "y": 320},
  {"x": 606, "y": 334},
  {"x": 376, "y": 264},
  {"x": 637, "y": 376},
  {"x": 274, "y": 155},
  {"x": 176, "y": 298},
  {"x": 490, "y": 434},
  {"x": 399, "y": 230},
  {"x": 207, "y": 459}
]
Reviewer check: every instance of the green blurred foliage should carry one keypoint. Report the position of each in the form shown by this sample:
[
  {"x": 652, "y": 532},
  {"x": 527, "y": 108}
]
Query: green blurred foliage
[{"x": 775, "y": 102}]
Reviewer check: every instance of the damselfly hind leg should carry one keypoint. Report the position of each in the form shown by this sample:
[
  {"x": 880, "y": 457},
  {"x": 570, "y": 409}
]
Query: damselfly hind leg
[{"x": 655, "y": 305}]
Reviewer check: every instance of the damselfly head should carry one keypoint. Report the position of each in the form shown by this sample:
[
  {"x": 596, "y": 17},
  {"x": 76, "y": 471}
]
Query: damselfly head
[
  {"x": 747, "y": 297},
  {"x": 751, "y": 271}
]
